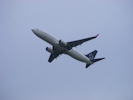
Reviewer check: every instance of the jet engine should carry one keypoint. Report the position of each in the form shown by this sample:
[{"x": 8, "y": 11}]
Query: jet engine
[
  {"x": 62, "y": 43},
  {"x": 49, "y": 50}
]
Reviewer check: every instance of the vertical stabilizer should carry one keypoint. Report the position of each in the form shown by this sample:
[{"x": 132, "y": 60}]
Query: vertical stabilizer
[{"x": 92, "y": 54}]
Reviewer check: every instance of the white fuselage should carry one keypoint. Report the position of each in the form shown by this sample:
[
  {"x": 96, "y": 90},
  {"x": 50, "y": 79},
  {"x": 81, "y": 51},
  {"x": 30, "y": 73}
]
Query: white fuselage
[{"x": 53, "y": 41}]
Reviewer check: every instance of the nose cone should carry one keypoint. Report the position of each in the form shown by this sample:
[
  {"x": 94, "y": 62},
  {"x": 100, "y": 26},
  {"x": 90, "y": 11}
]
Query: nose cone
[
  {"x": 36, "y": 32},
  {"x": 33, "y": 30}
]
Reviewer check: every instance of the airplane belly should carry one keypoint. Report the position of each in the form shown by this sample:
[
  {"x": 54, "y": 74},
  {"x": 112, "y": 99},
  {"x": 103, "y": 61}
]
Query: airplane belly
[{"x": 78, "y": 56}]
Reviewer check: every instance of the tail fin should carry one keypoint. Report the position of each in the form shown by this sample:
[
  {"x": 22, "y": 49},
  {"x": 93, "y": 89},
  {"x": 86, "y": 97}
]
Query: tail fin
[{"x": 92, "y": 54}]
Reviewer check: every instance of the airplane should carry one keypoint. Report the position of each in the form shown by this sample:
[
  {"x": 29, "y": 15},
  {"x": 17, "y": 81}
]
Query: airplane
[{"x": 61, "y": 47}]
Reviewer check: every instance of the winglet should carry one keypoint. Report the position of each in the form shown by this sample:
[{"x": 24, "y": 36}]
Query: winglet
[{"x": 96, "y": 35}]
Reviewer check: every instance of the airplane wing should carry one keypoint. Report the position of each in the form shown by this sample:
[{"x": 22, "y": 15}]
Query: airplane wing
[
  {"x": 79, "y": 42},
  {"x": 55, "y": 54}
]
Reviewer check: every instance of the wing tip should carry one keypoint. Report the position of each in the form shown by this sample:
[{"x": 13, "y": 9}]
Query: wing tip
[{"x": 96, "y": 35}]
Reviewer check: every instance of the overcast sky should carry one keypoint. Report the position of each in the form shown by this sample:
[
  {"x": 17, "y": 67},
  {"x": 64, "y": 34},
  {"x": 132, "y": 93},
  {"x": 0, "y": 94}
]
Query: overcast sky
[{"x": 26, "y": 74}]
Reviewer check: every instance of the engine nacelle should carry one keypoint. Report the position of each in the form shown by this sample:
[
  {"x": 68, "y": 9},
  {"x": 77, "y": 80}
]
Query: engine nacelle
[
  {"x": 62, "y": 43},
  {"x": 49, "y": 50}
]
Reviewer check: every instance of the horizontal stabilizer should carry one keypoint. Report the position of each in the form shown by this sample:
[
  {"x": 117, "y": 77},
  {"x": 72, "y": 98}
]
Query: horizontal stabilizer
[
  {"x": 95, "y": 60},
  {"x": 87, "y": 65}
]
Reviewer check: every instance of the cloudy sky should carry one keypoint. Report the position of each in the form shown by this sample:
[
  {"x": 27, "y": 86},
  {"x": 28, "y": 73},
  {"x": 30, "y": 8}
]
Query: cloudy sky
[{"x": 26, "y": 74}]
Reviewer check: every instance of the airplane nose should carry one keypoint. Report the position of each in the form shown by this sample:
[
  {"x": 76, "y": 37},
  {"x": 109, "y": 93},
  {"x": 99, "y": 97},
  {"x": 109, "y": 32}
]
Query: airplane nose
[{"x": 33, "y": 30}]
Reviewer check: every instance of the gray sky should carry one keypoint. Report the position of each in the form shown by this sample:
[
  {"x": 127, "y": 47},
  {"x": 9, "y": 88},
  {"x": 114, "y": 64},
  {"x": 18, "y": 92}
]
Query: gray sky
[{"x": 25, "y": 73}]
